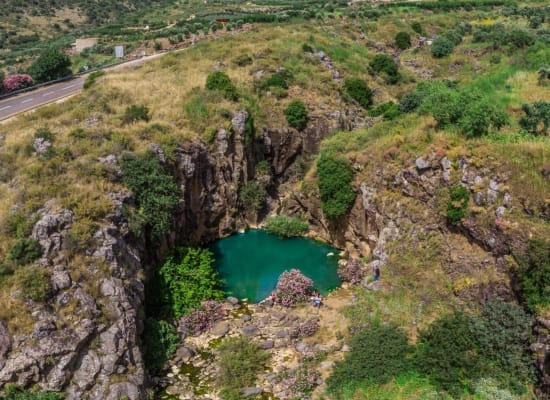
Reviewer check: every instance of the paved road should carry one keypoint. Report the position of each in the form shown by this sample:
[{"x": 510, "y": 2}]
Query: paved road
[
  {"x": 36, "y": 98},
  {"x": 48, "y": 94}
]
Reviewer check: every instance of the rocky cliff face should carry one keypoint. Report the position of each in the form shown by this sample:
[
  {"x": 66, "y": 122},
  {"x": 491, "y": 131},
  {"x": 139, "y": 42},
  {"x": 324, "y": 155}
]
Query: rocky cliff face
[{"x": 84, "y": 339}]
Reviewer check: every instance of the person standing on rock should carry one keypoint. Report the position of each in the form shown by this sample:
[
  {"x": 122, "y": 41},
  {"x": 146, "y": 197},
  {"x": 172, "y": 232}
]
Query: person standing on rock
[{"x": 376, "y": 273}]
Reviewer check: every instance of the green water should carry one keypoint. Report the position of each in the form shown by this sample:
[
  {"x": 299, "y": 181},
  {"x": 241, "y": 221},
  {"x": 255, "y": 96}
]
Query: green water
[{"x": 251, "y": 262}]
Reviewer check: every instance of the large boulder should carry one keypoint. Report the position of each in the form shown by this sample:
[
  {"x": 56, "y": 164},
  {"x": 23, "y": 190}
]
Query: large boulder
[{"x": 5, "y": 343}]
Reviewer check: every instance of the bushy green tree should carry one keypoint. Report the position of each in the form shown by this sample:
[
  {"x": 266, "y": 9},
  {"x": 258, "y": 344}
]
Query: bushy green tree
[
  {"x": 457, "y": 207},
  {"x": 442, "y": 103},
  {"x": 185, "y": 280},
  {"x": 221, "y": 82},
  {"x": 377, "y": 354},
  {"x": 296, "y": 114},
  {"x": 442, "y": 47},
  {"x": 403, "y": 40},
  {"x": 334, "y": 178},
  {"x": 537, "y": 117},
  {"x": 252, "y": 196},
  {"x": 454, "y": 36},
  {"x": 159, "y": 341},
  {"x": 520, "y": 38},
  {"x": 50, "y": 65},
  {"x": 534, "y": 274},
  {"x": 502, "y": 335},
  {"x": 284, "y": 226},
  {"x": 480, "y": 116},
  {"x": 447, "y": 352},
  {"x": 155, "y": 191},
  {"x": 358, "y": 90}
]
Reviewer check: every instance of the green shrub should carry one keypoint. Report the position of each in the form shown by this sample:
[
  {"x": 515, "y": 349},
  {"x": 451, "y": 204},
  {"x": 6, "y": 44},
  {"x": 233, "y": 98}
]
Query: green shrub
[
  {"x": 385, "y": 65},
  {"x": 278, "y": 79},
  {"x": 358, "y": 90},
  {"x": 534, "y": 274},
  {"x": 403, "y": 40},
  {"x": 183, "y": 282},
  {"x": 296, "y": 114},
  {"x": 243, "y": 60},
  {"x": 221, "y": 82},
  {"x": 92, "y": 78},
  {"x": 377, "y": 354},
  {"x": 447, "y": 352},
  {"x": 334, "y": 178},
  {"x": 45, "y": 134},
  {"x": 537, "y": 117},
  {"x": 24, "y": 251},
  {"x": 252, "y": 196},
  {"x": 454, "y": 36},
  {"x": 12, "y": 392},
  {"x": 306, "y": 48},
  {"x": 135, "y": 113},
  {"x": 284, "y": 226},
  {"x": 155, "y": 191},
  {"x": 457, "y": 207},
  {"x": 159, "y": 341},
  {"x": 34, "y": 283},
  {"x": 19, "y": 225},
  {"x": 441, "y": 47},
  {"x": 417, "y": 27},
  {"x": 388, "y": 110},
  {"x": 480, "y": 116},
  {"x": 262, "y": 168},
  {"x": 240, "y": 362}
]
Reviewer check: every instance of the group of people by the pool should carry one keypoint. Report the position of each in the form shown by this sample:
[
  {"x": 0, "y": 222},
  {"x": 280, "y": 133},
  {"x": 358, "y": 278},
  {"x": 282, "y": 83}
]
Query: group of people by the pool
[{"x": 317, "y": 299}]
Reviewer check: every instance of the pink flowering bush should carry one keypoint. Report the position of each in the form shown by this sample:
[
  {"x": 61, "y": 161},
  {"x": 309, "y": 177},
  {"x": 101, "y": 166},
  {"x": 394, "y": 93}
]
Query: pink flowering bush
[
  {"x": 300, "y": 383},
  {"x": 307, "y": 328},
  {"x": 351, "y": 272},
  {"x": 198, "y": 320},
  {"x": 16, "y": 82},
  {"x": 292, "y": 287}
]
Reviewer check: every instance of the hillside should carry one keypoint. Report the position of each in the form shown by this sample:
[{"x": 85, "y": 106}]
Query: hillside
[{"x": 425, "y": 157}]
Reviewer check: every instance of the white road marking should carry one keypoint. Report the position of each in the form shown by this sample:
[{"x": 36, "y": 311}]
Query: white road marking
[
  {"x": 67, "y": 87},
  {"x": 47, "y": 94},
  {"x": 26, "y": 101},
  {"x": 3, "y": 108}
]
